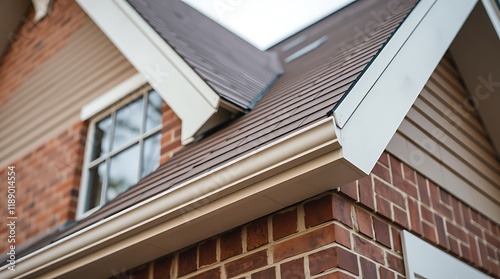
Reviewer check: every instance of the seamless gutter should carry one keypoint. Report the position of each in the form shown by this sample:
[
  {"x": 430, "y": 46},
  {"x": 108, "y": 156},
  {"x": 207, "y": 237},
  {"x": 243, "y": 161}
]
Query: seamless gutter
[{"x": 309, "y": 143}]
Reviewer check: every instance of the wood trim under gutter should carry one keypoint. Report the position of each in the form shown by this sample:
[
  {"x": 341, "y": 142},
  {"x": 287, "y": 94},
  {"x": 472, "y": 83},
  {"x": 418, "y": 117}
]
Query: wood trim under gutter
[{"x": 272, "y": 177}]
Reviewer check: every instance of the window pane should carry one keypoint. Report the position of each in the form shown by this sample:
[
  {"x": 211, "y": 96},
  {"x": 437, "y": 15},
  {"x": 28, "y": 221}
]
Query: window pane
[
  {"x": 151, "y": 154},
  {"x": 102, "y": 136},
  {"x": 96, "y": 175},
  {"x": 123, "y": 170},
  {"x": 153, "y": 114},
  {"x": 127, "y": 123}
]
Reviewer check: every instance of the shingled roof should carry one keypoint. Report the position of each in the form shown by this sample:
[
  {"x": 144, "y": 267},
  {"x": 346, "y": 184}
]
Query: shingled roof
[
  {"x": 310, "y": 87},
  {"x": 236, "y": 70}
]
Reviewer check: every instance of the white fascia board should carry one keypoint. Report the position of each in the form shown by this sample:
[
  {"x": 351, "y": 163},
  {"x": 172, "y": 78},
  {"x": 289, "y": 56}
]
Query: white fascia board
[
  {"x": 375, "y": 107},
  {"x": 247, "y": 188},
  {"x": 422, "y": 260},
  {"x": 192, "y": 100}
]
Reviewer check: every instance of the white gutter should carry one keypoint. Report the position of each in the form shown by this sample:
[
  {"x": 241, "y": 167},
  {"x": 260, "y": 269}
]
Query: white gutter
[
  {"x": 271, "y": 177},
  {"x": 182, "y": 89}
]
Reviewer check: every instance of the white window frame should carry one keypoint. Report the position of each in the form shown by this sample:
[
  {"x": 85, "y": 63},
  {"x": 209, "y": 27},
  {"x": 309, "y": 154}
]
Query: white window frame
[
  {"x": 424, "y": 261},
  {"x": 116, "y": 100}
]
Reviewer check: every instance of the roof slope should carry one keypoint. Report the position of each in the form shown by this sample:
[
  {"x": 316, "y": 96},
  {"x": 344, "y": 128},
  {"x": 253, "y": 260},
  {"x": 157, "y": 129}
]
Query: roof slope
[
  {"x": 217, "y": 55},
  {"x": 310, "y": 87}
]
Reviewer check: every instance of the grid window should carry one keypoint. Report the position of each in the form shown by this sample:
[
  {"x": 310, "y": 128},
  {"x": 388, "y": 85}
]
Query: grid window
[{"x": 124, "y": 148}]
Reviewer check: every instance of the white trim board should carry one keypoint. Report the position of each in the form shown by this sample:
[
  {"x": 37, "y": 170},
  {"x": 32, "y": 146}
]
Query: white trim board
[
  {"x": 372, "y": 111},
  {"x": 192, "y": 100},
  {"x": 112, "y": 96},
  {"x": 493, "y": 13},
  {"x": 424, "y": 261}
]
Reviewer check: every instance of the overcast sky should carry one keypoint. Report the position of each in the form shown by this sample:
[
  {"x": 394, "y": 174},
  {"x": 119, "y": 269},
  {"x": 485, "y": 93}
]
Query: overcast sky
[{"x": 264, "y": 23}]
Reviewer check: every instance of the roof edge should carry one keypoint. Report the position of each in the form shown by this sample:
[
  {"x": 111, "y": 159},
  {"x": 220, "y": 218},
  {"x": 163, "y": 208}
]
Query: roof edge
[
  {"x": 163, "y": 68},
  {"x": 382, "y": 97},
  {"x": 270, "y": 176}
]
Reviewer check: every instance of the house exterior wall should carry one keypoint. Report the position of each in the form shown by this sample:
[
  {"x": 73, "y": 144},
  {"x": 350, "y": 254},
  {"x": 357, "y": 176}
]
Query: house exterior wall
[
  {"x": 350, "y": 233},
  {"x": 49, "y": 74},
  {"x": 51, "y": 71},
  {"x": 442, "y": 137}
]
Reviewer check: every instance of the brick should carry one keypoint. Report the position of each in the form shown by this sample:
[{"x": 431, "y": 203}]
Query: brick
[
  {"x": 494, "y": 229},
  {"x": 230, "y": 244},
  {"x": 455, "y": 231},
  {"x": 444, "y": 196},
  {"x": 442, "y": 239},
  {"x": 161, "y": 268},
  {"x": 474, "y": 250},
  {"x": 429, "y": 232},
  {"x": 468, "y": 224},
  {"x": 368, "y": 249},
  {"x": 389, "y": 193},
  {"x": 209, "y": 274},
  {"x": 284, "y": 224},
  {"x": 400, "y": 217},
  {"x": 269, "y": 273},
  {"x": 207, "y": 252},
  {"x": 415, "y": 223},
  {"x": 409, "y": 173},
  {"x": 350, "y": 190},
  {"x": 384, "y": 207},
  {"x": 384, "y": 159},
  {"x": 454, "y": 246},
  {"x": 364, "y": 222},
  {"x": 368, "y": 269},
  {"x": 246, "y": 264},
  {"x": 491, "y": 252},
  {"x": 366, "y": 194},
  {"x": 382, "y": 172},
  {"x": 495, "y": 241},
  {"x": 436, "y": 203},
  {"x": 482, "y": 221},
  {"x": 335, "y": 257},
  {"x": 465, "y": 252},
  {"x": 396, "y": 240},
  {"x": 187, "y": 261},
  {"x": 293, "y": 269},
  {"x": 342, "y": 236},
  {"x": 304, "y": 243},
  {"x": 382, "y": 233},
  {"x": 325, "y": 209},
  {"x": 386, "y": 273},
  {"x": 427, "y": 215},
  {"x": 257, "y": 234},
  {"x": 395, "y": 263},
  {"x": 485, "y": 263},
  {"x": 457, "y": 212}
]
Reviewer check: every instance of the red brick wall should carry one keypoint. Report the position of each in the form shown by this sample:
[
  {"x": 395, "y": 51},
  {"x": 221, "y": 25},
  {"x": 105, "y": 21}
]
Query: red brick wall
[
  {"x": 350, "y": 233},
  {"x": 170, "y": 133},
  {"x": 47, "y": 182},
  {"x": 36, "y": 42}
]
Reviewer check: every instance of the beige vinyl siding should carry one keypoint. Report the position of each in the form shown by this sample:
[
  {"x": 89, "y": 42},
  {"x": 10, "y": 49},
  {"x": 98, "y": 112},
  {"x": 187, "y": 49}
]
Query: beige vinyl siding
[
  {"x": 51, "y": 99},
  {"x": 442, "y": 137}
]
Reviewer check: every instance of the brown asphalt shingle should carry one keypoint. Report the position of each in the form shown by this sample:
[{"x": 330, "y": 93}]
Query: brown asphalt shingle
[{"x": 217, "y": 55}]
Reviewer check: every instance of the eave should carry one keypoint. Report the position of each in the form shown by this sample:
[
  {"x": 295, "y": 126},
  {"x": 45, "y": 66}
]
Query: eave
[{"x": 259, "y": 183}]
